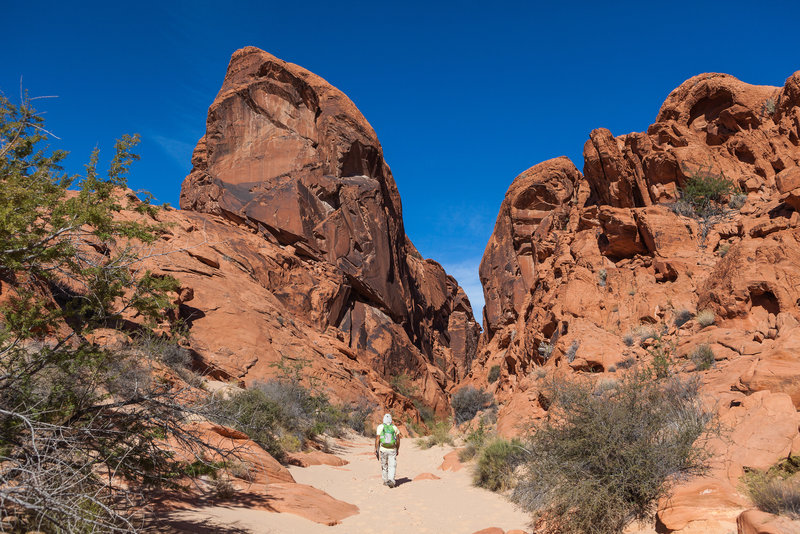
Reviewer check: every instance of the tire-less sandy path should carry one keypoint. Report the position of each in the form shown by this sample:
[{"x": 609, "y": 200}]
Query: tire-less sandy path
[{"x": 449, "y": 505}]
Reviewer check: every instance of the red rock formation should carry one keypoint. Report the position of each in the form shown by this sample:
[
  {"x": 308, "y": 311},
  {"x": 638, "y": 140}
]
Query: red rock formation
[
  {"x": 581, "y": 266},
  {"x": 291, "y": 243}
]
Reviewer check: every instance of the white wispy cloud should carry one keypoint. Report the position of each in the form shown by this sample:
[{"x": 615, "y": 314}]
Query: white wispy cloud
[
  {"x": 466, "y": 272},
  {"x": 179, "y": 151}
]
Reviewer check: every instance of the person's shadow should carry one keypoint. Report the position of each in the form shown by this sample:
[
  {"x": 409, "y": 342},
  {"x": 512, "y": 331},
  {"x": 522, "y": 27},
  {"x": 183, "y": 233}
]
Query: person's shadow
[{"x": 401, "y": 481}]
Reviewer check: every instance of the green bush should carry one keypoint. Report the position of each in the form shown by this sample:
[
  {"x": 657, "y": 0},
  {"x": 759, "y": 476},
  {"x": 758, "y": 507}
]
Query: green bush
[
  {"x": 602, "y": 461},
  {"x": 282, "y": 415},
  {"x": 705, "y": 191},
  {"x": 468, "y": 401},
  {"x": 703, "y": 357},
  {"x": 81, "y": 426},
  {"x": 496, "y": 464},
  {"x": 494, "y": 374},
  {"x": 474, "y": 442}
]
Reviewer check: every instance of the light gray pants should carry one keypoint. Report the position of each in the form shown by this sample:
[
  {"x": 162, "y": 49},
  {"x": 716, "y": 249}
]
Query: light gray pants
[{"x": 388, "y": 463}]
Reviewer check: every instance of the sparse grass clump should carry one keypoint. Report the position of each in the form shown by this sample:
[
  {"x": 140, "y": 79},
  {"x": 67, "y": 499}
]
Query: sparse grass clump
[
  {"x": 628, "y": 339},
  {"x": 705, "y": 318},
  {"x": 468, "y": 401},
  {"x": 494, "y": 374},
  {"x": 703, "y": 357},
  {"x": 496, "y": 464},
  {"x": 440, "y": 435},
  {"x": 604, "y": 461},
  {"x": 776, "y": 491}
]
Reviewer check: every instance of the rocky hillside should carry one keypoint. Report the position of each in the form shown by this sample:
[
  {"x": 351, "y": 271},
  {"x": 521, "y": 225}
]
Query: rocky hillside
[
  {"x": 586, "y": 271},
  {"x": 291, "y": 244}
]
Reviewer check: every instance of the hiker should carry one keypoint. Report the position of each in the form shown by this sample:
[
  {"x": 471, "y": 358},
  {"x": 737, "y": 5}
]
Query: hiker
[{"x": 387, "y": 447}]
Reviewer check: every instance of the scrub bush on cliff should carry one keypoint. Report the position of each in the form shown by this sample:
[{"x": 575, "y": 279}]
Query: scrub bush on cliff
[
  {"x": 75, "y": 418},
  {"x": 603, "y": 460}
]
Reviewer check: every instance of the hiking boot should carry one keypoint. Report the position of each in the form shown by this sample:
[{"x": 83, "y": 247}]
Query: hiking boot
[{"x": 390, "y": 483}]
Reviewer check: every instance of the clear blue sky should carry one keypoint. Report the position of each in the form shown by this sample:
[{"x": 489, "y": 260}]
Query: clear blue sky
[{"x": 463, "y": 95}]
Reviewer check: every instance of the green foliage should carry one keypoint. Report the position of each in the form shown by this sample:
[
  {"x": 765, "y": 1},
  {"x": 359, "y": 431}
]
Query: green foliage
[
  {"x": 601, "y": 461},
  {"x": 70, "y": 409},
  {"x": 468, "y": 401},
  {"x": 705, "y": 191},
  {"x": 404, "y": 385},
  {"x": 474, "y": 443},
  {"x": 282, "y": 415},
  {"x": 494, "y": 374},
  {"x": 703, "y": 357},
  {"x": 496, "y": 464},
  {"x": 777, "y": 490}
]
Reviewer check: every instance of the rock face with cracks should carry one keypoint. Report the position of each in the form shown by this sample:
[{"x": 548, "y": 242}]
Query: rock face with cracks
[
  {"x": 585, "y": 270},
  {"x": 292, "y": 170}
]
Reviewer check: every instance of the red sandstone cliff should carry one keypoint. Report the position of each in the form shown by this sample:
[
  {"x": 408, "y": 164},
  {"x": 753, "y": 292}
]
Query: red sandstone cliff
[
  {"x": 295, "y": 247},
  {"x": 578, "y": 262}
]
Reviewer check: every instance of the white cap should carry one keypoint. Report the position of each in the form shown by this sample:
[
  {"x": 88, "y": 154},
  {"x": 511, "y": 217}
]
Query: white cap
[{"x": 387, "y": 419}]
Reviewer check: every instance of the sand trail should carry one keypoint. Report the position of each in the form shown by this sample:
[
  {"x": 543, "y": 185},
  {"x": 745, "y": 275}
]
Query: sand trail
[{"x": 448, "y": 505}]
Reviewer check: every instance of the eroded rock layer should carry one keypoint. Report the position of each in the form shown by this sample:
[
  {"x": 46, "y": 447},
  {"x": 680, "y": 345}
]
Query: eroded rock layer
[
  {"x": 292, "y": 170},
  {"x": 585, "y": 270}
]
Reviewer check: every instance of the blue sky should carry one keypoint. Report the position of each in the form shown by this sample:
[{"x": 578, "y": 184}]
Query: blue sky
[{"x": 463, "y": 95}]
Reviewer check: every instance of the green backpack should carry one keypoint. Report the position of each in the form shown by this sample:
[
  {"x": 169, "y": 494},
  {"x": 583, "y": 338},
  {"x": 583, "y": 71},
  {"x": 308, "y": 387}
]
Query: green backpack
[{"x": 388, "y": 436}]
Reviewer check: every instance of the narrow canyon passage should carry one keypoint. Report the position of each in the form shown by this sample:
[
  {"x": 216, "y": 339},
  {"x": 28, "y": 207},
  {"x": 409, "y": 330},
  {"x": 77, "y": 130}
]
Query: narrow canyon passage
[{"x": 448, "y": 504}]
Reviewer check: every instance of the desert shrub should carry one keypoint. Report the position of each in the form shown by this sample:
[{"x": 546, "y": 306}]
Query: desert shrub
[
  {"x": 282, "y": 415},
  {"x": 628, "y": 339},
  {"x": 440, "y": 435},
  {"x": 775, "y": 495},
  {"x": 496, "y": 464},
  {"x": 494, "y": 373},
  {"x": 705, "y": 318},
  {"x": 682, "y": 317},
  {"x": 723, "y": 249},
  {"x": 81, "y": 426},
  {"x": 705, "y": 190},
  {"x": 605, "y": 385},
  {"x": 703, "y": 357},
  {"x": 683, "y": 208},
  {"x": 602, "y": 275},
  {"x": 403, "y": 384},
  {"x": 627, "y": 363},
  {"x": 645, "y": 332},
  {"x": 603, "y": 461},
  {"x": 426, "y": 413},
  {"x": 468, "y": 401},
  {"x": 474, "y": 442},
  {"x": 572, "y": 351},
  {"x": 776, "y": 491},
  {"x": 545, "y": 349},
  {"x": 253, "y": 413},
  {"x": 737, "y": 201},
  {"x": 358, "y": 417}
]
